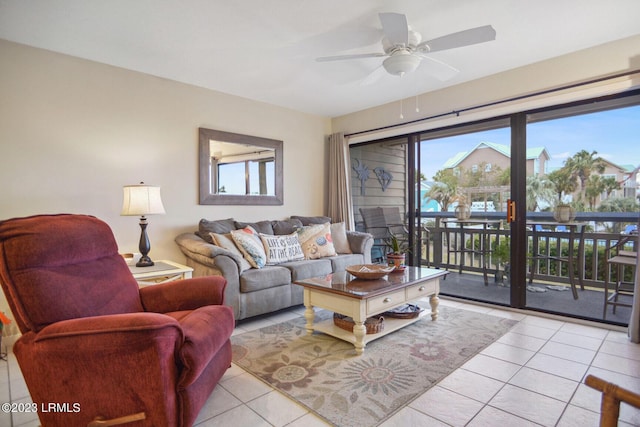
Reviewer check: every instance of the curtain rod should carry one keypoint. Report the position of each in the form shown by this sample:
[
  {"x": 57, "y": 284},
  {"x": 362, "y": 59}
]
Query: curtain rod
[{"x": 503, "y": 101}]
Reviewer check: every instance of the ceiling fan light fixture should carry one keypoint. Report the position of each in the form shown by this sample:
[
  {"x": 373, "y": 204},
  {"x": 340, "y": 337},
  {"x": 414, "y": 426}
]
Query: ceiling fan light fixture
[{"x": 401, "y": 63}]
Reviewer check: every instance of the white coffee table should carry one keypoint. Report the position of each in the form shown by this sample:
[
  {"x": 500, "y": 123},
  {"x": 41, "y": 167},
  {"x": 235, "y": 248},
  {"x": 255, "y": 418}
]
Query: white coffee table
[{"x": 359, "y": 299}]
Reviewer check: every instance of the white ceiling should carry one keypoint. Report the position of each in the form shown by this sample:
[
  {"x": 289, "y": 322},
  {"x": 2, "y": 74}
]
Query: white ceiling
[{"x": 265, "y": 49}]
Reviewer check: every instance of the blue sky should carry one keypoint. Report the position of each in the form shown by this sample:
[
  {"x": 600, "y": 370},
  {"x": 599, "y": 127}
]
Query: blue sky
[{"x": 614, "y": 134}]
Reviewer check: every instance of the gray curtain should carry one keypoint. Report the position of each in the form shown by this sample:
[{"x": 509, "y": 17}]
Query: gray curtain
[
  {"x": 340, "y": 207},
  {"x": 634, "y": 321}
]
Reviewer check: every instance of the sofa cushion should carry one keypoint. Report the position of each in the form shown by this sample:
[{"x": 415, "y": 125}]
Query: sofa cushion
[
  {"x": 251, "y": 246},
  {"x": 264, "y": 278},
  {"x": 310, "y": 220},
  {"x": 339, "y": 237},
  {"x": 260, "y": 226},
  {"x": 316, "y": 241},
  {"x": 220, "y": 226},
  {"x": 225, "y": 241},
  {"x": 308, "y": 268},
  {"x": 286, "y": 226},
  {"x": 281, "y": 249}
]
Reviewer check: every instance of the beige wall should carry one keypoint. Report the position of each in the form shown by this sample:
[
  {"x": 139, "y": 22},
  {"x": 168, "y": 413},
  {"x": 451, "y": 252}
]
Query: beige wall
[
  {"x": 604, "y": 60},
  {"x": 73, "y": 132}
]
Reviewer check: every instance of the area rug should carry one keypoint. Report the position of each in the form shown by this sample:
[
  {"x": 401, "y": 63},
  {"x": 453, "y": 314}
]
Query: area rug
[{"x": 325, "y": 374}]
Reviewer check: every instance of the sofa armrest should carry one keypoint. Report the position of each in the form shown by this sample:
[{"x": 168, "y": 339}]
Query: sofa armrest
[
  {"x": 360, "y": 243},
  {"x": 197, "y": 249},
  {"x": 187, "y": 294}
]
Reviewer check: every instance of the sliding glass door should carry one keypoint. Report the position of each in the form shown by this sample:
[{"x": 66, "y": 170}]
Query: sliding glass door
[
  {"x": 581, "y": 201},
  {"x": 464, "y": 187},
  {"x": 525, "y": 210}
]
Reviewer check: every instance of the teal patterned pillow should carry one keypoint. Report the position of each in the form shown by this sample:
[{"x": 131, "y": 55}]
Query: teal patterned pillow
[{"x": 250, "y": 245}]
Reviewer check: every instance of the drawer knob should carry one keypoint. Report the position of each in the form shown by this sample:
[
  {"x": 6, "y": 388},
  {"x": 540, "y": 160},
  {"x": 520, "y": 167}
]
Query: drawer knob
[
  {"x": 421, "y": 288},
  {"x": 386, "y": 300}
]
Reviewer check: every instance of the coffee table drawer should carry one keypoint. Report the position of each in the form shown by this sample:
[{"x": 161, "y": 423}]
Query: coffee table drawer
[
  {"x": 422, "y": 289},
  {"x": 385, "y": 302}
]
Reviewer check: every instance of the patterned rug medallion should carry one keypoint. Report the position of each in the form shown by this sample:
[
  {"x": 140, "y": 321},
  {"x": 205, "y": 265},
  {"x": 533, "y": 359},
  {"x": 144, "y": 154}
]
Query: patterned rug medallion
[{"x": 325, "y": 374}]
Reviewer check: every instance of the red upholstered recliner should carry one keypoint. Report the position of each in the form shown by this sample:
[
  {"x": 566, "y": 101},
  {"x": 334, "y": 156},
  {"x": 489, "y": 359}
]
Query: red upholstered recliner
[{"x": 95, "y": 344}]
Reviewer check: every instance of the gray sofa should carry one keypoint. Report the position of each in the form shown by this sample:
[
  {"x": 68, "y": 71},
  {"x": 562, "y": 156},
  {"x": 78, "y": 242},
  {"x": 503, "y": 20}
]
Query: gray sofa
[{"x": 255, "y": 291}]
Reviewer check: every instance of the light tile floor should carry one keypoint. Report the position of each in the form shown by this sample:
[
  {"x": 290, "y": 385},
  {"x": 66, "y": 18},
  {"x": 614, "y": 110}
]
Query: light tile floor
[{"x": 532, "y": 376}]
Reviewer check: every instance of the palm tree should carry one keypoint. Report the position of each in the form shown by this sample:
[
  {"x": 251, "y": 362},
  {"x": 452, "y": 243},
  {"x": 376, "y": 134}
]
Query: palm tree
[
  {"x": 538, "y": 189},
  {"x": 582, "y": 164},
  {"x": 444, "y": 190},
  {"x": 443, "y": 194},
  {"x": 562, "y": 182},
  {"x": 595, "y": 187}
]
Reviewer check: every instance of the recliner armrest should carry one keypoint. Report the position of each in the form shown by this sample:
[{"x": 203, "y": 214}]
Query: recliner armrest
[
  {"x": 116, "y": 324},
  {"x": 187, "y": 294}
]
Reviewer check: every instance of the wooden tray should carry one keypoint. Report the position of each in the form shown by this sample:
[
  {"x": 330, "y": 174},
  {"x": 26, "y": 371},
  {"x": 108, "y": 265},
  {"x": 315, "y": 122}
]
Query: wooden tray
[{"x": 373, "y": 325}]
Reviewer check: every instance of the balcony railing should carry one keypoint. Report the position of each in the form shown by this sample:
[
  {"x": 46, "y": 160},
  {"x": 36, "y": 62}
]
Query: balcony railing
[{"x": 445, "y": 243}]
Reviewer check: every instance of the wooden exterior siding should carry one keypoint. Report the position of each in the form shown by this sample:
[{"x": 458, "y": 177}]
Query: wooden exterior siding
[{"x": 391, "y": 156}]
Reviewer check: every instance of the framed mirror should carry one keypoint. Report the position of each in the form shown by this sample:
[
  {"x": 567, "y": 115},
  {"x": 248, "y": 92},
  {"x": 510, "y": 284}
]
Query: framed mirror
[{"x": 238, "y": 169}]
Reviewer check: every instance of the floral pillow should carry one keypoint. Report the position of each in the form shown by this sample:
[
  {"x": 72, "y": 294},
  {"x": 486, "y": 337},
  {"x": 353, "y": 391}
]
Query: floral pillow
[
  {"x": 250, "y": 245},
  {"x": 282, "y": 248},
  {"x": 316, "y": 241}
]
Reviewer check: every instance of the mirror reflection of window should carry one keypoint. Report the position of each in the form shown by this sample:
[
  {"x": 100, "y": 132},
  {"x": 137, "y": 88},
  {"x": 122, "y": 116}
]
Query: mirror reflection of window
[{"x": 241, "y": 169}]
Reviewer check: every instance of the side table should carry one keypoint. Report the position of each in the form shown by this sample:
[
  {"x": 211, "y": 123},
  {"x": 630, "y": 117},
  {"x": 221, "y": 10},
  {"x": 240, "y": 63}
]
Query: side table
[{"x": 162, "y": 272}]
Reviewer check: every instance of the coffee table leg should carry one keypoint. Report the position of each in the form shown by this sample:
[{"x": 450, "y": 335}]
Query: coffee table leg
[
  {"x": 309, "y": 314},
  {"x": 434, "y": 301},
  {"x": 359, "y": 330}
]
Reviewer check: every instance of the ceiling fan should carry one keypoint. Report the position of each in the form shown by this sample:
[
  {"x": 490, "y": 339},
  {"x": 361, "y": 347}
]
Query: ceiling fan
[{"x": 404, "y": 48}]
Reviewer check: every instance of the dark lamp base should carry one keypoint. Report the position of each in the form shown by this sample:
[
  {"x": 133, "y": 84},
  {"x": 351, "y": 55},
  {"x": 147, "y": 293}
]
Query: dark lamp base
[{"x": 145, "y": 261}]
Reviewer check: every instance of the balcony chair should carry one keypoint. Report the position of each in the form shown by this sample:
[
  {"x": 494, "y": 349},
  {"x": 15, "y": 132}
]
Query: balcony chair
[
  {"x": 619, "y": 258},
  {"x": 382, "y": 223},
  {"x": 92, "y": 337}
]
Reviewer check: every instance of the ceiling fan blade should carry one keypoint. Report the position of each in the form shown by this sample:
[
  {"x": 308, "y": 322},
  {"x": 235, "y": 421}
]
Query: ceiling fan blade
[
  {"x": 440, "y": 69},
  {"x": 462, "y": 38},
  {"x": 395, "y": 28},
  {"x": 343, "y": 57}
]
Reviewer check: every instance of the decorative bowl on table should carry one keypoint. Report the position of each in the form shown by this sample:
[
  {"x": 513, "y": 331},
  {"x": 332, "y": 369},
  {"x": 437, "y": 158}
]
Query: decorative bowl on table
[{"x": 369, "y": 271}]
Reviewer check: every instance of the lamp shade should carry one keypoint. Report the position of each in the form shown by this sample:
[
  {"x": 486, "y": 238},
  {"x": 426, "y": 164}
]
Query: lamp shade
[{"x": 141, "y": 199}]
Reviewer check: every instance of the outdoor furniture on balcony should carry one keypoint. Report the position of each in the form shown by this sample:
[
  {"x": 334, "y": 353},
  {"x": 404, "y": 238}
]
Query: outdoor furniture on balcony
[
  {"x": 382, "y": 223},
  {"x": 619, "y": 258},
  {"x": 575, "y": 231},
  {"x": 484, "y": 249}
]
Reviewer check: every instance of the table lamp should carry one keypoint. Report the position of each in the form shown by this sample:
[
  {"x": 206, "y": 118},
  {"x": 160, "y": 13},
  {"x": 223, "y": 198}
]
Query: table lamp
[{"x": 142, "y": 199}]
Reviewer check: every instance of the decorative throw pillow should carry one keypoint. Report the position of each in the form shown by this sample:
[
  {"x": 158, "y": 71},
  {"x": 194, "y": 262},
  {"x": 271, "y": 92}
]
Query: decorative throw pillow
[
  {"x": 316, "y": 241},
  {"x": 282, "y": 248},
  {"x": 225, "y": 241},
  {"x": 250, "y": 245},
  {"x": 339, "y": 237}
]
